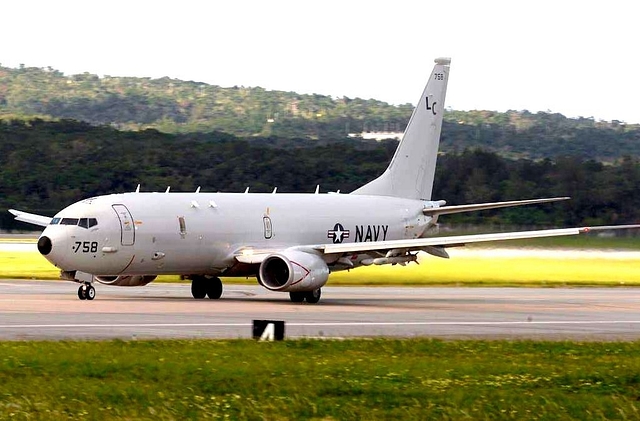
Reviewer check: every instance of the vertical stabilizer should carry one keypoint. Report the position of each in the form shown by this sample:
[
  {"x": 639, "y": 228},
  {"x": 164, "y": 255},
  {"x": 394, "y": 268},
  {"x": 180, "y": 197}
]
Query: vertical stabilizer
[{"x": 411, "y": 171}]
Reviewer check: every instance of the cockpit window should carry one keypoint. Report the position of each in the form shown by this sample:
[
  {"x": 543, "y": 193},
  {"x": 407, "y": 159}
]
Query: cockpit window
[
  {"x": 87, "y": 222},
  {"x": 69, "y": 221},
  {"x": 81, "y": 222}
]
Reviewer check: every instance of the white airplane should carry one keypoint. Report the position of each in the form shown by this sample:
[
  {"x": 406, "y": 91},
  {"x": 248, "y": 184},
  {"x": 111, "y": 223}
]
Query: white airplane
[{"x": 290, "y": 242}]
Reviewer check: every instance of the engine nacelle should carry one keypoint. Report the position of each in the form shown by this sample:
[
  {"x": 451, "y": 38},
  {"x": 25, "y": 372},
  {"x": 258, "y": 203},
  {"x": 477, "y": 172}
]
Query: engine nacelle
[
  {"x": 126, "y": 281},
  {"x": 292, "y": 271}
]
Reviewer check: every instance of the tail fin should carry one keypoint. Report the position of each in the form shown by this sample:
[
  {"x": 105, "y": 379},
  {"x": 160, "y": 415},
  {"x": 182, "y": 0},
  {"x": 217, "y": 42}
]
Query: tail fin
[{"x": 411, "y": 171}]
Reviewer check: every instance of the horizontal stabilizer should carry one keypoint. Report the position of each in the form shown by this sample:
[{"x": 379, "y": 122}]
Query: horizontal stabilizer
[
  {"x": 30, "y": 218},
  {"x": 445, "y": 210}
]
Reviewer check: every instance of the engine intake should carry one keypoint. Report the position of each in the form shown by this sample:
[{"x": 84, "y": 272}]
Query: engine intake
[
  {"x": 292, "y": 271},
  {"x": 126, "y": 281}
]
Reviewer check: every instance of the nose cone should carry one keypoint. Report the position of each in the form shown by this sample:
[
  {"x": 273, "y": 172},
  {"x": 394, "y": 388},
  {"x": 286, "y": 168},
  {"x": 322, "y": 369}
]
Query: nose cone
[
  {"x": 52, "y": 244},
  {"x": 44, "y": 245}
]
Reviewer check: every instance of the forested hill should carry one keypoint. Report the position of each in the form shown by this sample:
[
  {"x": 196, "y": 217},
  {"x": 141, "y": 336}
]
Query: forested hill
[
  {"x": 174, "y": 106},
  {"x": 47, "y": 165}
]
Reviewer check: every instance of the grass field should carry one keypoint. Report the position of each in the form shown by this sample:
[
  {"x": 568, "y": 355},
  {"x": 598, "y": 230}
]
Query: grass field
[
  {"x": 499, "y": 268},
  {"x": 319, "y": 380},
  {"x": 466, "y": 267}
]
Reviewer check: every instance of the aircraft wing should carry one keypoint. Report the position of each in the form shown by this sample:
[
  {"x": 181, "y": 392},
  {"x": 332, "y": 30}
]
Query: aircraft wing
[
  {"x": 445, "y": 210},
  {"x": 31, "y": 218},
  {"x": 433, "y": 245},
  {"x": 458, "y": 240}
]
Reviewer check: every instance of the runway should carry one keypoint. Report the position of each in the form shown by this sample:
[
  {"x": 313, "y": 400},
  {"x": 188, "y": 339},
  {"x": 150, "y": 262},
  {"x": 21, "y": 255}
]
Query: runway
[{"x": 51, "y": 310}]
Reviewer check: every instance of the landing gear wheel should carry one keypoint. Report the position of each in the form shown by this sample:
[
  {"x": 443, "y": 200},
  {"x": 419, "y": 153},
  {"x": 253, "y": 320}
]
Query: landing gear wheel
[
  {"x": 82, "y": 293},
  {"x": 214, "y": 288},
  {"x": 198, "y": 287},
  {"x": 297, "y": 297},
  {"x": 313, "y": 297},
  {"x": 90, "y": 293}
]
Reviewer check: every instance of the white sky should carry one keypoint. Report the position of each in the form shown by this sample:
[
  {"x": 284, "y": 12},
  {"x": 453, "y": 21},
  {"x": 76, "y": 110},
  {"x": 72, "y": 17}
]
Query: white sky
[{"x": 578, "y": 58}]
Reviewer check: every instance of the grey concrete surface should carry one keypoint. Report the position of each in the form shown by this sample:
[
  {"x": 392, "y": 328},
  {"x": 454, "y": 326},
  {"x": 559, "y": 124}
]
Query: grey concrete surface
[{"x": 51, "y": 310}]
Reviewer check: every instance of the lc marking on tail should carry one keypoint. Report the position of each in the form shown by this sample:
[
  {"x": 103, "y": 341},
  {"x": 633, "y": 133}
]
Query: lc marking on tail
[{"x": 431, "y": 108}]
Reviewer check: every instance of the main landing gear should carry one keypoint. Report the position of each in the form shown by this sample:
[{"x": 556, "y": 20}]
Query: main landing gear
[
  {"x": 312, "y": 297},
  {"x": 206, "y": 286},
  {"x": 86, "y": 292}
]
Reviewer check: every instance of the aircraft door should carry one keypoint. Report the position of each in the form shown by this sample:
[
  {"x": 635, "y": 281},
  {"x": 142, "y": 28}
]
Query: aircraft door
[{"x": 127, "y": 227}]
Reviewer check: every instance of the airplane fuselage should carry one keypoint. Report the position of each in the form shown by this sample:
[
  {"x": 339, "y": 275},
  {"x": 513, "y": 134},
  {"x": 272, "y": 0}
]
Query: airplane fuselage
[{"x": 200, "y": 233}]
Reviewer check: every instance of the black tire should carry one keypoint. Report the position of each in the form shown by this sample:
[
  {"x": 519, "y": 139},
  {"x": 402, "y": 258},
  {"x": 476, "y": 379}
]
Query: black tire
[
  {"x": 313, "y": 297},
  {"x": 297, "y": 297},
  {"x": 81, "y": 293},
  {"x": 90, "y": 293},
  {"x": 214, "y": 288},
  {"x": 198, "y": 287}
]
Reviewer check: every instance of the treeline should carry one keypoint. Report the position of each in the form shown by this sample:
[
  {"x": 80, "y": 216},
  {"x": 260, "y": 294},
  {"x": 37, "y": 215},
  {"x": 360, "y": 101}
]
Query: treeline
[
  {"x": 47, "y": 165},
  {"x": 172, "y": 105},
  {"x": 175, "y": 106}
]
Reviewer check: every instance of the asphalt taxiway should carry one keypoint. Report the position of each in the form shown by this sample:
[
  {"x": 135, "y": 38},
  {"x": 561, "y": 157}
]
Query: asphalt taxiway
[{"x": 51, "y": 310}]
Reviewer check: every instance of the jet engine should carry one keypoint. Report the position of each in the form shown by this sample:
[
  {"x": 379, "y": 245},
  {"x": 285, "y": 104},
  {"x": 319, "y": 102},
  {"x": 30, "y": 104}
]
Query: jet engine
[
  {"x": 126, "y": 281},
  {"x": 292, "y": 271}
]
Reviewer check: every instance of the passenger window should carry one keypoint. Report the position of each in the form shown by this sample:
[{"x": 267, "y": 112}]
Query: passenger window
[
  {"x": 84, "y": 223},
  {"x": 93, "y": 222},
  {"x": 183, "y": 226},
  {"x": 55, "y": 221},
  {"x": 69, "y": 221}
]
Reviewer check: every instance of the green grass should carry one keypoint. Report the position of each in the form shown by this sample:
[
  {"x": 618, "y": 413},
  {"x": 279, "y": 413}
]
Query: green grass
[
  {"x": 596, "y": 269},
  {"x": 321, "y": 380},
  {"x": 500, "y": 271},
  {"x": 26, "y": 265}
]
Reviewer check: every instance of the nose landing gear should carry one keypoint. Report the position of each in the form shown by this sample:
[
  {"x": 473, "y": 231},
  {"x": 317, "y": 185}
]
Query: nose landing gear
[{"x": 86, "y": 292}]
